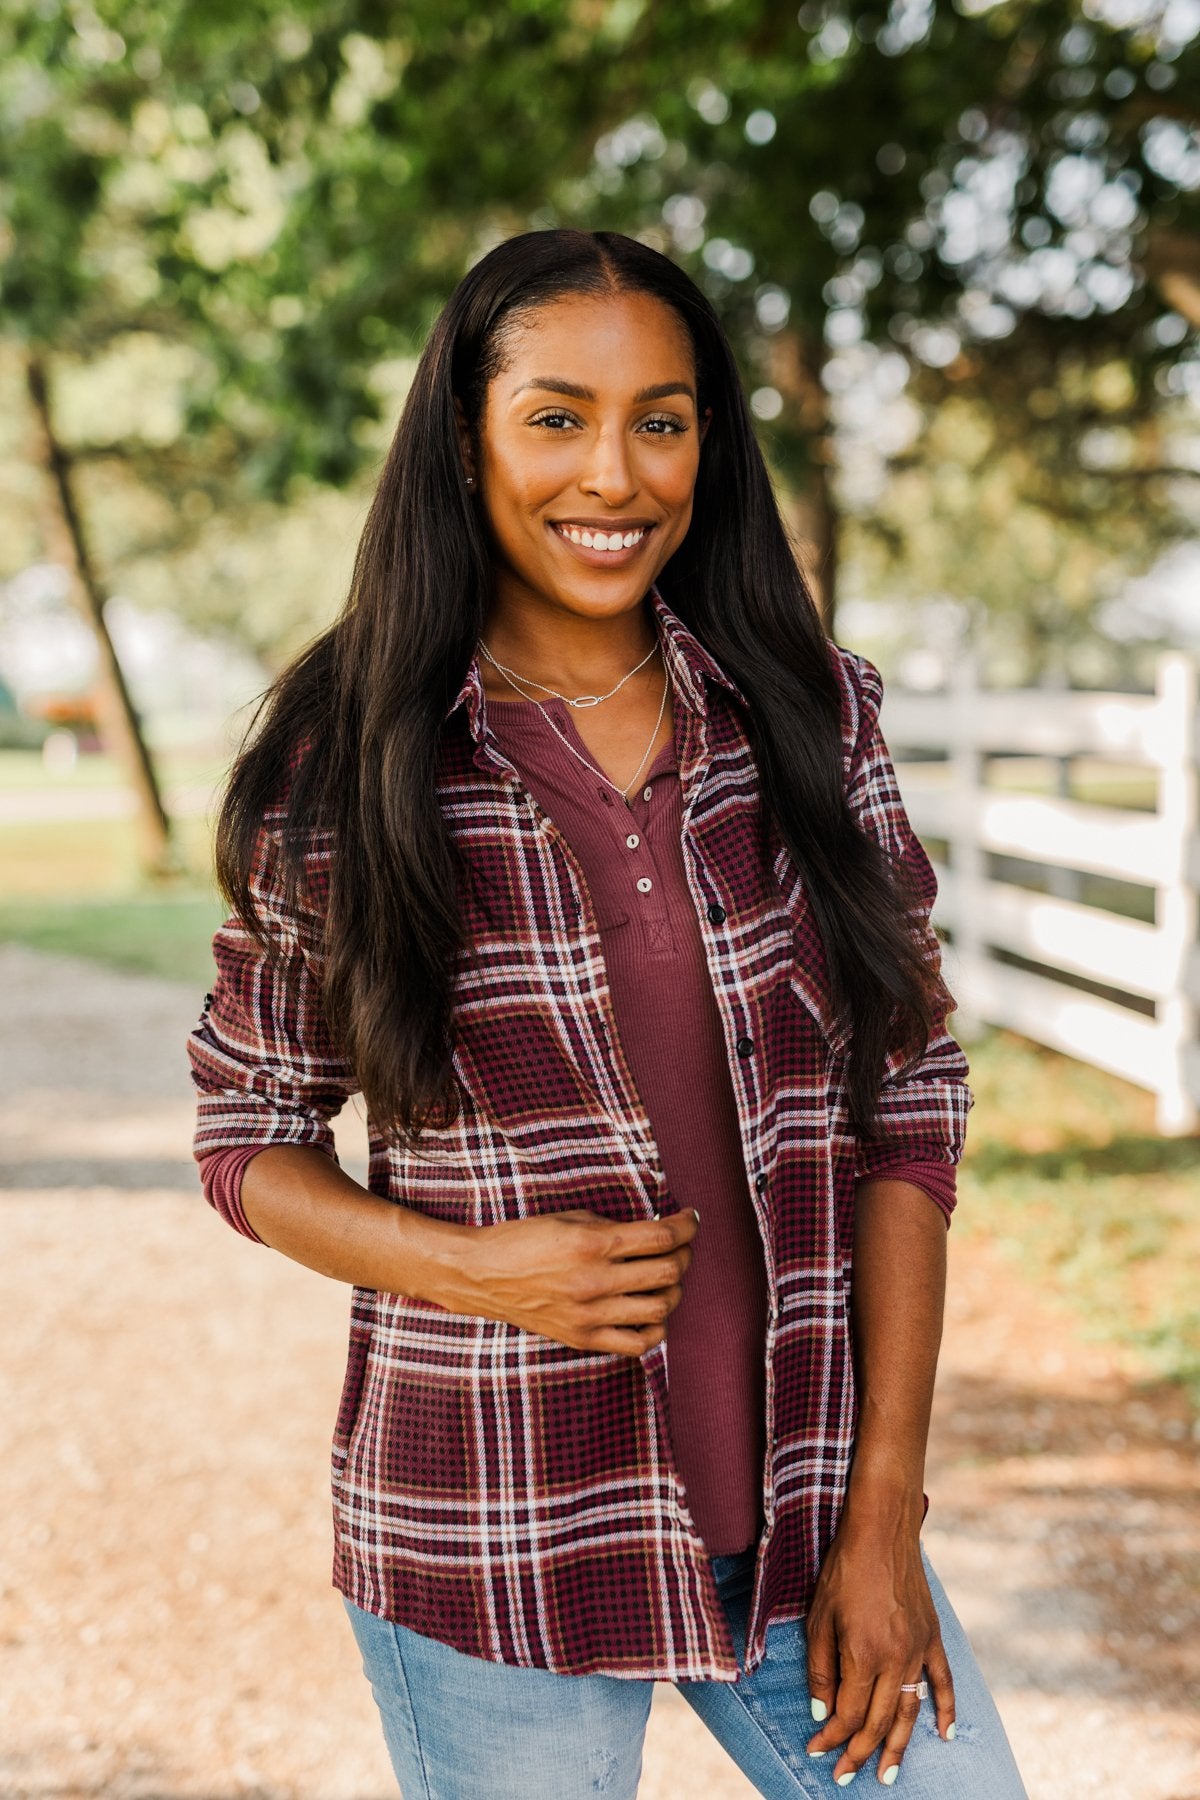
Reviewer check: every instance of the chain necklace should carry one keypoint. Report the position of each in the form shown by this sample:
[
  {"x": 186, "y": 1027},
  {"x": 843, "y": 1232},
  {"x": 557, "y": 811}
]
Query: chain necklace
[
  {"x": 623, "y": 791},
  {"x": 583, "y": 699}
]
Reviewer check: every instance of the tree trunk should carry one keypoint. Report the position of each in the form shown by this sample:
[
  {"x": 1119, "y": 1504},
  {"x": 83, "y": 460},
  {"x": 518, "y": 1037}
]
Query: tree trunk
[
  {"x": 796, "y": 371},
  {"x": 122, "y": 726}
]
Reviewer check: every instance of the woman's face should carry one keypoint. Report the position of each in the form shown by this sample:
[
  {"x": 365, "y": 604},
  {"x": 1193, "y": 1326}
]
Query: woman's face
[{"x": 589, "y": 448}]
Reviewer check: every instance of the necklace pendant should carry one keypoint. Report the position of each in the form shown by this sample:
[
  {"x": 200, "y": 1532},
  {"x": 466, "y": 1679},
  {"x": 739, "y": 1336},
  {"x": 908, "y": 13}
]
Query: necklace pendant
[{"x": 586, "y": 700}]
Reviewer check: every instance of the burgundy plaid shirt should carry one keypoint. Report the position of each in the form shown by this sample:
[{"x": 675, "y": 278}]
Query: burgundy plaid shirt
[{"x": 493, "y": 1488}]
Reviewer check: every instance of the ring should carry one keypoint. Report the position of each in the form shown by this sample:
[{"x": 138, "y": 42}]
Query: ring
[{"x": 919, "y": 1688}]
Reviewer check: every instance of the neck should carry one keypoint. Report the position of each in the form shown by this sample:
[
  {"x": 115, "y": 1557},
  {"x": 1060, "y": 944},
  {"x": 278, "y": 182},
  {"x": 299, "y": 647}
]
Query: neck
[{"x": 569, "y": 652}]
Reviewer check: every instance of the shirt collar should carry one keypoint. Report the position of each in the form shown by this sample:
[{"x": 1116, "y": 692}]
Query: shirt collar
[{"x": 687, "y": 661}]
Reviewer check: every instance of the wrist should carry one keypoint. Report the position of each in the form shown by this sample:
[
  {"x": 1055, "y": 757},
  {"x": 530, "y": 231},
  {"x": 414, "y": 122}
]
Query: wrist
[
  {"x": 885, "y": 1491},
  {"x": 434, "y": 1255}
]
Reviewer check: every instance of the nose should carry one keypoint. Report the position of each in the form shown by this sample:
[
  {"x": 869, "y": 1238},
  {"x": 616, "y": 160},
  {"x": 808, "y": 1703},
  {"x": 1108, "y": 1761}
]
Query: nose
[{"x": 609, "y": 473}]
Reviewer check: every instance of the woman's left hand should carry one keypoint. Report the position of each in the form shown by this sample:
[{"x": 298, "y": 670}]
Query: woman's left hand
[{"x": 872, "y": 1627}]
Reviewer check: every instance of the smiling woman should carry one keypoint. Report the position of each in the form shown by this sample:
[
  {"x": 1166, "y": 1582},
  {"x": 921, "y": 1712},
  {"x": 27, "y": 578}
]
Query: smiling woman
[{"x": 575, "y": 847}]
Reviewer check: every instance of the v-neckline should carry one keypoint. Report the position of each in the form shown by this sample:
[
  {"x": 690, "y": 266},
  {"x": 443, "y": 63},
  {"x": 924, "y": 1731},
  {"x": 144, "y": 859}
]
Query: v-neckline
[{"x": 534, "y": 715}]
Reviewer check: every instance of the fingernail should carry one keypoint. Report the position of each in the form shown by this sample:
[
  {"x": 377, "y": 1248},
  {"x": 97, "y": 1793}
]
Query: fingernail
[
  {"x": 950, "y": 1730},
  {"x": 815, "y": 1753},
  {"x": 696, "y": 1210},
  {"x": 847, "y": 1778},
  {"x": 818, "y": 1709},
  {"x": 889, "y": 1775}
]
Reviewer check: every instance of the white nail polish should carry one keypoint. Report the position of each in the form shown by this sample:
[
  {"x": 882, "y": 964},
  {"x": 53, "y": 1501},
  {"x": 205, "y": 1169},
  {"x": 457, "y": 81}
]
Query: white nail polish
[
  {"x": 818, "y": 1709},
  {"x": 889, "y": 1775},
  {"x": 950, "y": 1730},
  {"x": 815, "y": 1753},
  {"x": 847, "y": 1778}
]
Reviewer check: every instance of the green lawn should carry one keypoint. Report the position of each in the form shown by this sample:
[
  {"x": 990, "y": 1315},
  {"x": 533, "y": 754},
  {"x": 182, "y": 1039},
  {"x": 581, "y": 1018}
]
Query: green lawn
[{"x": 152, "y": 934}]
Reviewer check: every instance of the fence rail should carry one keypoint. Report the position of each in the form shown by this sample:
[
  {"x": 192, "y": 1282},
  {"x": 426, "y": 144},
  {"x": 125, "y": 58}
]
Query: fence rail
[{"x": 1146, "y": 1025}]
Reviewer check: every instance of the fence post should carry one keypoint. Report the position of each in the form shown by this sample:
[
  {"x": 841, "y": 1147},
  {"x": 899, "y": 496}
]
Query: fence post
[
  {"x": 967, "y": 861},
  {"x": 1178, "y": 690}
]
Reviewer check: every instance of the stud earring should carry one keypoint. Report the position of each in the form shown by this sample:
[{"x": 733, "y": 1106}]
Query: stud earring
[{"x": 470, "y": 481}]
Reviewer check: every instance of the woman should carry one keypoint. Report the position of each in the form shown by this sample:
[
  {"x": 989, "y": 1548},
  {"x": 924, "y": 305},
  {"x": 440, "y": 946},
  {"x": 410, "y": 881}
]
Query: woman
[{"x": 574, "y": 846}]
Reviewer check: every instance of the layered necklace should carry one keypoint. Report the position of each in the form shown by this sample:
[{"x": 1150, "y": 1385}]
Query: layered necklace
[{"x": 511, "y": 676}]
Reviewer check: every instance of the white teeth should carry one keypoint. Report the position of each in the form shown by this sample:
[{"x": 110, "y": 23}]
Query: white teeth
[{"x": 603, "y": 540}]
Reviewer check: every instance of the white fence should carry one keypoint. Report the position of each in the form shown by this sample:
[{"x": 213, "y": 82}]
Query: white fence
[{"x": 1062, "y": 842}]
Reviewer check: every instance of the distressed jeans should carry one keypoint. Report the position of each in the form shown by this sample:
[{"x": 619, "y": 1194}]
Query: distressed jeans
[{"x": 460, "y": 1728}]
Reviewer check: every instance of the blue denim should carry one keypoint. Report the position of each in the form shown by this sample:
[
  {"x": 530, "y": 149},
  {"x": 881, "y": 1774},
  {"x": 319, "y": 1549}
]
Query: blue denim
[{"x": 460, "y": 1728}]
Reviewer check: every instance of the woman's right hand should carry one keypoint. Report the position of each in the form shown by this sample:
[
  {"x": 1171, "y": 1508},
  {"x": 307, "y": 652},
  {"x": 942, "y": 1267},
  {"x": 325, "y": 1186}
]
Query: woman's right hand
[{"x": 590, "y": 1282}]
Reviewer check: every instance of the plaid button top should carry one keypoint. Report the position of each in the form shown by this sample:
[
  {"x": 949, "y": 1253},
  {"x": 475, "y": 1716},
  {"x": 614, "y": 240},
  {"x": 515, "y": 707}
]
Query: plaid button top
[{"x": 507, "y": 1494}]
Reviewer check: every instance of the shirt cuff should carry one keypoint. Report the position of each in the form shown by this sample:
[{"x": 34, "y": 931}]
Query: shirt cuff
[
  {"x": 221, "y": 1174},
  {"x": 939, "y": 1179}
]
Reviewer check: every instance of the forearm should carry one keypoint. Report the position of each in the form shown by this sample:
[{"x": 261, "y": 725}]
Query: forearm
[
  {"x": 898, "y": 1292},
  {"x": 301, "y": 1203}
]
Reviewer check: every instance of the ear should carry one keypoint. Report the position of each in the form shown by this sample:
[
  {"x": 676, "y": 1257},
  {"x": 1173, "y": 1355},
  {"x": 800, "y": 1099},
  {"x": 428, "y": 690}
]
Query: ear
[{"x": 466, "y": 449}]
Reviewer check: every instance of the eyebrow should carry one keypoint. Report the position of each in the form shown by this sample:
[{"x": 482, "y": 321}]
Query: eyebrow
[{"x": 554, "y": 384}]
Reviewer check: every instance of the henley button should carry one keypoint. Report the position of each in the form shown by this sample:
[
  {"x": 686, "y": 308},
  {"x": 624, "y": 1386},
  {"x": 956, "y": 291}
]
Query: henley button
[
  {"x": 716, "y": 914},
  {"x": 646, "y": 793},
  {"x": 644, "y": 884},
  {"x": 745, "y": 1046},
  {"x": 633, "y": 840}
]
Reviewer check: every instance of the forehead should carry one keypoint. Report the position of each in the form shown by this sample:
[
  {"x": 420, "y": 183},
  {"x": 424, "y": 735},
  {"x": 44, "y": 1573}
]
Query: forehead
[{"x": 598, "y": 340}]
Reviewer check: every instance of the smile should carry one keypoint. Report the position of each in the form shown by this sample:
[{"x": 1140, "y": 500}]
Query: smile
[{"x": 610, "y": 543}]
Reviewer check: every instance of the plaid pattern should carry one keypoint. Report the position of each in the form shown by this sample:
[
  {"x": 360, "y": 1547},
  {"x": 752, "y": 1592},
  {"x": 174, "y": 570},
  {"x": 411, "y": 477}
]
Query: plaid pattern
[{"x": 493, "y": 1488}]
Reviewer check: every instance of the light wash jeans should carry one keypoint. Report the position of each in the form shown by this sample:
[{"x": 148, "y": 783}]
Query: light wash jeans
[{"x": 460, "y": 1728}]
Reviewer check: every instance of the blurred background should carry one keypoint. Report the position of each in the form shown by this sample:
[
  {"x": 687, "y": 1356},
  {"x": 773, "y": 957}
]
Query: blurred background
[{"x": 957, "y": 247}]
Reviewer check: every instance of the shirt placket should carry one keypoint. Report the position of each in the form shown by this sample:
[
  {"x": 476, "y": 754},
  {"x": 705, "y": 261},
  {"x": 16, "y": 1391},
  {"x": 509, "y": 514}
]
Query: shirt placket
[{"x": 713, "y": 914}]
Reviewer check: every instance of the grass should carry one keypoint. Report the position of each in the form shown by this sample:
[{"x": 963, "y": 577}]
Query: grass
[
  {"x": 1065, "y": 1171},
  {"x": 149, "y": 934}
]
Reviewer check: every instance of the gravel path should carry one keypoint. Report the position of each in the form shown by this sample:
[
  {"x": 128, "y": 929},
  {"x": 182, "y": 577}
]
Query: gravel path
[{"x": 167, "y": 1627}]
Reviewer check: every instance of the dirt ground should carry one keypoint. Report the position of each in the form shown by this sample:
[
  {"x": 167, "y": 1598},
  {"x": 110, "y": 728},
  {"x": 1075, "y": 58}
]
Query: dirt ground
[{"x": 167, "y": 1626}]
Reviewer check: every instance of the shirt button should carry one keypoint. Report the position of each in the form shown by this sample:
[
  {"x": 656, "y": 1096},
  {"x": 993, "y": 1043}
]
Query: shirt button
[
  {"x": 644, "y": 884},
  {"x": 646, "y": 793},
  {"x": 745, "y": 1046},
  {"x": 633, "y": 840},
  {"x": 716, "y": 914},
  {"x": 760, "y": 1180}
]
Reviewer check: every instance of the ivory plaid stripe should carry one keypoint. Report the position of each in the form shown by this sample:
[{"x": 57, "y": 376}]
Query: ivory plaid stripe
[{"x": 507, "y": 1494}]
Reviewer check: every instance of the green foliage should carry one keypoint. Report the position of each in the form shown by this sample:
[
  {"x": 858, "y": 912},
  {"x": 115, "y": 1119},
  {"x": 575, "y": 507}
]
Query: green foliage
[{"x": 240, "y": 214}]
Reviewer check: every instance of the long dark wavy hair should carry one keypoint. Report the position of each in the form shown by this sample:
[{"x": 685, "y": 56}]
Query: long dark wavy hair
[{"x": 366, "y": 702}]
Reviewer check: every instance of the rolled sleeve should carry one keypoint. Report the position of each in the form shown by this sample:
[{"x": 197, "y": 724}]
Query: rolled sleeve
[
  {"x": 922, "y": 1112},
  {"x": 263, "y": 1060}
]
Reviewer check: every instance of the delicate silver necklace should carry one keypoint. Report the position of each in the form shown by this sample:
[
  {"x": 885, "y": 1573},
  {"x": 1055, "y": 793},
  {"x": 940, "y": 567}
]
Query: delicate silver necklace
[
  {"x": 582, "y": 699},
  {"x": 623, "y": 791}
]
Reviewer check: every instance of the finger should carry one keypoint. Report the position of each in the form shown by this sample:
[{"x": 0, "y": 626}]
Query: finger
[
  {"x": 896, "y": 1741},
  {"x": 941, "y": 1685},
  {"x": 851, "y": 1701},
  {"x": 634, "y": 1343},
  {"x": 650, "y": 1308},
  {"x": 880, "y": 1717},
  {"x": 634, "y": 1273},
  {"x": 822, "y": 1666},
  {"x": 652, "y": 1237}
]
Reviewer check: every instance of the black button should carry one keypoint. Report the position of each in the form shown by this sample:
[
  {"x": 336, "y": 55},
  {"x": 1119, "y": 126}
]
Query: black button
[
  {"x": 745, "y": 1046},
  {"x": 760, "y": 1180},
  {"x": 716, "y": 914}
]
